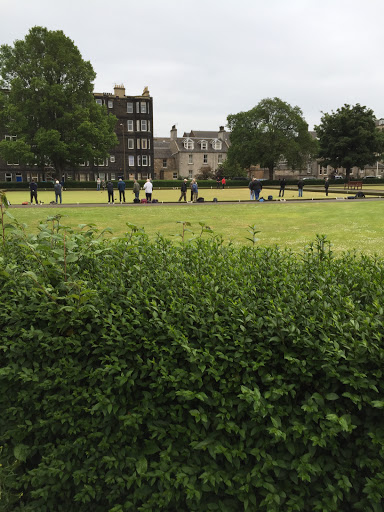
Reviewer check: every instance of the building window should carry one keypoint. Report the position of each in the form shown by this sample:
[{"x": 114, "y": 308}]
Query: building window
[
  {"x": 205, "y": 159},
  {"x": 190, "y": 159},
  {"x": 113, "y": 176},
  {"x": 131, "y": 160},
  {"x": 190, "y": 174},
  {"x": 137, "y": 107},
  {"x": 138, "y": 143},
  {"x": 144, "y": 160},
  {"x": 11, "y": 138},
  {"x": 204, "y": 144},
  {"x": 220, "y": 158},
  {"x": 143, "y": 125},
  {"x": 130, "y": 125},
  {"x": 129, "y": 107},
  {"x": 112, "y": 159},
  {"x": 131, "y": 143},
  {"x": 188, "y": 143},
  {"x": 216, "y": 144},
  {"x": 139, "y": 160},
  {"x": 19, "y": 177},
  {"x": 144, "y": 144},
  {"x": 99, "y": 102},
  {"x": 143, "y": 107},
  {"x": 164, "y": 163},
  {"x": 100, "y": 162},
  {"x": 174, "y": 175},
  {"x": 8, "y": 176},
  {"x": 110, "y": 104}
]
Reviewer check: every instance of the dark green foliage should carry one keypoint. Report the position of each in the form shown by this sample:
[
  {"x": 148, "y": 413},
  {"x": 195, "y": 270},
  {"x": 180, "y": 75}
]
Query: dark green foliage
[
  {"x": 46, "y": 103},
  {"x": 148, "y": 376},
  {"x": 273, "y": 130},
  {"x": 349, "y": 137}
]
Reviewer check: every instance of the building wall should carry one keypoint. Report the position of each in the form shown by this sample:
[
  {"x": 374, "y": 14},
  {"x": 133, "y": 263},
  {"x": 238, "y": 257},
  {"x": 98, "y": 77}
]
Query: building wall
[
  {"x": 135, "y": 145},
  {"x": 167, "y": 171}
]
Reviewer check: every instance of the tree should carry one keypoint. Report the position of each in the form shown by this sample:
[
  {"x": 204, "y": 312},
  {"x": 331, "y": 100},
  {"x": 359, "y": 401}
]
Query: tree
[
  {"x": 349, "y": 137},
  {"x": 230, "y": 170},
  {"x": 268, "y": 133},
  {"x": 47, "y": 105},
  {"x": 205, "y": 173}
]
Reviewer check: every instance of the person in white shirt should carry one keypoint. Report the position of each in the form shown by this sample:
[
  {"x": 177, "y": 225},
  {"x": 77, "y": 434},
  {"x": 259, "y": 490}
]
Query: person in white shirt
[{"x": 148, "y": 187}]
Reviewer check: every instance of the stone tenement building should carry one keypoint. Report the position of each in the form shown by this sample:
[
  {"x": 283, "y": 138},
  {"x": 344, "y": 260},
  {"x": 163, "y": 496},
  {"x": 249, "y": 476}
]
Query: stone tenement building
[
  {"x": 190, "y": 155},
  {"x": 131, "y": 158}
]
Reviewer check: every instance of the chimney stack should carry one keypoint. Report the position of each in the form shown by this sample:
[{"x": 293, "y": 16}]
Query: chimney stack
[
  {"x": 220, "y": 135},
  {"x": 174, "y": 132},
  {"x": 119, "y": 91}
]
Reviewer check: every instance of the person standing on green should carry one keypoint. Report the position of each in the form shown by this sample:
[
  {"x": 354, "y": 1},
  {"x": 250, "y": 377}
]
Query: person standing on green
[
  {"x": 183, "y": 190},
  {"x": 300, "y": 186},
  {"x": 58, "y": 188},
  {"x": 326, "y": 186},
  {"x": 136, "y": 189}
]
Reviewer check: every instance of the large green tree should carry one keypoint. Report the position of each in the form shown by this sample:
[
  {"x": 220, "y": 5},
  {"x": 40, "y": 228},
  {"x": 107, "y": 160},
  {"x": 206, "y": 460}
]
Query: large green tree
[
  {"x": 47, "y": 105},
  {"x": 349, "y": 137},
  {"x": 270, "y": 132}
]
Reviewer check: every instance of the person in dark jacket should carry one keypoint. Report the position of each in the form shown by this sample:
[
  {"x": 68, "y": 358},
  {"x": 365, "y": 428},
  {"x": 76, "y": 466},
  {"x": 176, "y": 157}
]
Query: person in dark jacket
[
  {"x": 110, "y": 192},
  {"x": 183, "y": 190},
  {"x": 251, "y": 191},
  {"x": 121, "y": 188},
  {"x": 326, "y": 186},
  {"x": 300, "y": 186},
  {"x": 257, "y": 187},
  {"x": 58, "y": 189},
  {"x": 282, "y": 187},
  {"x": 33, "y": 189}
]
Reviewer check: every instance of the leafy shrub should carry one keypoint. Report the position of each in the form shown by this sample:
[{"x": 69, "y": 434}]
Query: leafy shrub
[{"x": 148, "y": 376}]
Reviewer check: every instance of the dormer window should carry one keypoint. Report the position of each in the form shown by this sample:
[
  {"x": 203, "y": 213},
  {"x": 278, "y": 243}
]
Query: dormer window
[
  {"x": 188, "y": 143},
  {"x": 204, "y": 144},
  {"x": 216, "y": 144}
]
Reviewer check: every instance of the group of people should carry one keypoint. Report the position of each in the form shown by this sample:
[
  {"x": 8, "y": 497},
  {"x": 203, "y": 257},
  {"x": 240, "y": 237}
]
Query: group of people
[
  {"x": 255, "y": 187},
  {"x": 58, "y": 188},
  {"x": 220, "y": 182},
  {"x": 121, "y": 186},
  {"x": 194, "y": 190},
  {"x": 300, "y": 186}
]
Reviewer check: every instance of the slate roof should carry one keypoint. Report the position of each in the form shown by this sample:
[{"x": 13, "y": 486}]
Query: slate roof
[{"x": 161, "y": 147}]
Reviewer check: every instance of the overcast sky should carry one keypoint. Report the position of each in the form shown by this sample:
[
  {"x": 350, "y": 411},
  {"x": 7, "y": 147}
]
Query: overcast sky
[{"x": 205, "y": 59}]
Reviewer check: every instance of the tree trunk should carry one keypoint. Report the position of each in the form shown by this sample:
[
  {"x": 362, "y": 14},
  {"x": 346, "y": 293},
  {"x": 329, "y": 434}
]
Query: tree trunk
[
  {"x": 270, "y": 172},
  {"x": 347, "y": 173}
]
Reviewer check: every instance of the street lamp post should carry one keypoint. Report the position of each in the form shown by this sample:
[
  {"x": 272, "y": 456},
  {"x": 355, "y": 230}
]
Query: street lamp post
[{"x": 122, "y": 126}]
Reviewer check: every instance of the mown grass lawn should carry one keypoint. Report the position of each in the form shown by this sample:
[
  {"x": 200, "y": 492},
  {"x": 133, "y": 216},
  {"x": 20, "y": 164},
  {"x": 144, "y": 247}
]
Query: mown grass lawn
[{"x": 349, "y": 225}]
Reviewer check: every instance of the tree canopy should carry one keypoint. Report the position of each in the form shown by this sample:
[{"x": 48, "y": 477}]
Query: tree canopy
[
  {"x": 349, "y": 137},
  {"x": 47, "y": 105},
  {"x": 270, "y": 132}
]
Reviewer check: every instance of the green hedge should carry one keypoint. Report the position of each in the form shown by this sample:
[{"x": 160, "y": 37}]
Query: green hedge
[{"x": 149, "y": 376}]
